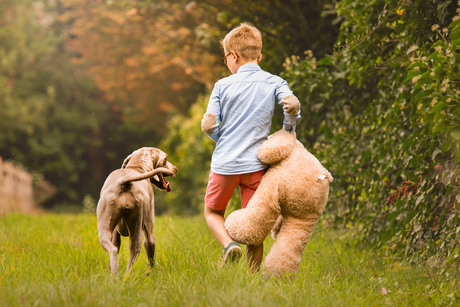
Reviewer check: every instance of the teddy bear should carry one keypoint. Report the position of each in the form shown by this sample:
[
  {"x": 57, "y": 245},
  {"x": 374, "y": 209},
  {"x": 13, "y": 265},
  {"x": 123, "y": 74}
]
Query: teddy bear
[{"x": 292, "y": 194}]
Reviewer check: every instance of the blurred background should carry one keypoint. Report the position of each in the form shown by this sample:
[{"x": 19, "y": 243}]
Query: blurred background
[{"x": 83, "y": 83}]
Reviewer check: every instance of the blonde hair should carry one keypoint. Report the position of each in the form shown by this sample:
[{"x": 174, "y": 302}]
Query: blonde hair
[{"x": 246, "y": 40}]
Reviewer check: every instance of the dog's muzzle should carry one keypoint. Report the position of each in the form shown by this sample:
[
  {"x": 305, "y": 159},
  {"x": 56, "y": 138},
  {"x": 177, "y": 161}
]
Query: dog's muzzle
[{"x": 160, "y": 182}]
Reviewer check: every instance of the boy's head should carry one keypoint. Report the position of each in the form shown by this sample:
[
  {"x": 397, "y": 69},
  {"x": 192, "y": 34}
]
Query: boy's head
[{"x": 245, "y": 40}]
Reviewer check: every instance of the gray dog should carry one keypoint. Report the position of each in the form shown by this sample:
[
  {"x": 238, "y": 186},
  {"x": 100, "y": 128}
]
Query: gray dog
[{"x": 126, "y": 204}]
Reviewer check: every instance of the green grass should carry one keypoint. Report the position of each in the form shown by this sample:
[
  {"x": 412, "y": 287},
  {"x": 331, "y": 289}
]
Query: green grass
[{"x": 56, "y": 260}]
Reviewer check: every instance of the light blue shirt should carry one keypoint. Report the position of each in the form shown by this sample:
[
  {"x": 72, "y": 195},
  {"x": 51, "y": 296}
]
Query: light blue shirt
[{"x": 243, "y": 104}]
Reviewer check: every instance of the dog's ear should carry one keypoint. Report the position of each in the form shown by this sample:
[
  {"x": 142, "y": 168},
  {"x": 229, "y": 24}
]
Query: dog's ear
[
  {"x": 158, "y": 158},
  {"x": 145, "y": 156},
  {"x": 150, "y": 158}
]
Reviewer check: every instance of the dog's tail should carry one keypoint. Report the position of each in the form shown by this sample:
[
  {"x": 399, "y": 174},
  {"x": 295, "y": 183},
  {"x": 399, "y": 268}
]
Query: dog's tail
[{"x": 128, "y": 179}]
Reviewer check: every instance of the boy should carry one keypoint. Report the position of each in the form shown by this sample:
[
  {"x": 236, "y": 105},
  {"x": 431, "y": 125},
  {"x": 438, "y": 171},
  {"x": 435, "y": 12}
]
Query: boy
[{"x": 238, "y": 118}]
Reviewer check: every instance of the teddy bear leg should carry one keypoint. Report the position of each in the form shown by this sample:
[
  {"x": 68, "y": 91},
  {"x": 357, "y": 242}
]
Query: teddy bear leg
[
  {"x": 251, "y": 226},
  {"x": 285, "y": 254},
  {"x": 276, "y": 228}
]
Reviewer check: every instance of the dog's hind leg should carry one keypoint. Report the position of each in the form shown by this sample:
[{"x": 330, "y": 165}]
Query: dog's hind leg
[
  {"x": 149, "y": 241},
  {"x": 134, "y": 222},
  {"x": 107, "y": 219}
]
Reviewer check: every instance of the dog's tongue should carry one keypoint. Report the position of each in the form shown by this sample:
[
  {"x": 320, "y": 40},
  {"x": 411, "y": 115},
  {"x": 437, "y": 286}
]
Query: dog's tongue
[{"x": 166, "y": 185}]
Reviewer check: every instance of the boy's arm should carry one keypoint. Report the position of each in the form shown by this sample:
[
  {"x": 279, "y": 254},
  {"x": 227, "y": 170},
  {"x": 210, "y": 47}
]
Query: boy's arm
[
  {"x": 291, "y": 106},
  {"x": 210, "y": 124}
]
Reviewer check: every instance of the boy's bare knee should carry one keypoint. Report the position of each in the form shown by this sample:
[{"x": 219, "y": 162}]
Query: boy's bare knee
[{"x": 208, "y": 211}]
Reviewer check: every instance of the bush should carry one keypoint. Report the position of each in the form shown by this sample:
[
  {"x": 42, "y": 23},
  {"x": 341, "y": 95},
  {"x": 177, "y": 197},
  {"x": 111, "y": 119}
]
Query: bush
[
  {"x": 190, "y": 150},
  {"x": 382, "y": 114}
]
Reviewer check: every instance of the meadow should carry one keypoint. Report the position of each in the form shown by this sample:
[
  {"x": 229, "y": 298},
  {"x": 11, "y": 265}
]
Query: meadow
[{"x": 56, "y": 260}]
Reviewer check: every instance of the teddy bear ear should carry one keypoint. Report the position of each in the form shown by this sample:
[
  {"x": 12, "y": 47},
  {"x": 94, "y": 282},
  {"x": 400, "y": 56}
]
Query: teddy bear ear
[{"x": 277, "y": 147}]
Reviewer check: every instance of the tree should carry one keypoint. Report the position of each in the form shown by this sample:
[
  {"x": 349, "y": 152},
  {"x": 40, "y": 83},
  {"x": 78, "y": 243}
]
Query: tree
[
  {"x": 288, "y": 27},
  {"x": 151, "y": 57},
  {"x": 143, "y": 57},
  {"x": 49, "y": 120},
  {"x": 190, "y": 150},
  {"x": 187, "y": 146}
]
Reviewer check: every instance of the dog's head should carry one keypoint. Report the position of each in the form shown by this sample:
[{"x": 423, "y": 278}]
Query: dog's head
[{"x": 147, "y": 159}]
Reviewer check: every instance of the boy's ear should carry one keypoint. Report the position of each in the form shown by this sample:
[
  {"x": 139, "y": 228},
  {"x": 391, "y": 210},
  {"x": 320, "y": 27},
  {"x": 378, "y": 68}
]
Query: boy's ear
[
  {"x": 260, "y": 58},
  {"x": 236, "y": 55}
]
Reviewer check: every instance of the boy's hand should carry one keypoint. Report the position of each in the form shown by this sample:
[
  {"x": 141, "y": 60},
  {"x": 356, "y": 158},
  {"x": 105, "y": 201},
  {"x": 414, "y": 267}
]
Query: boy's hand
[
  {"x": 290, "y": 122},
  {"x": 289, "y": 128},
  {"x": 291, "y": 105}
]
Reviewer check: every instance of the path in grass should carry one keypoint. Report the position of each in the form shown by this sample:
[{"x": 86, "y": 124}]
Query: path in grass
[{"x": 56, "y": 260}]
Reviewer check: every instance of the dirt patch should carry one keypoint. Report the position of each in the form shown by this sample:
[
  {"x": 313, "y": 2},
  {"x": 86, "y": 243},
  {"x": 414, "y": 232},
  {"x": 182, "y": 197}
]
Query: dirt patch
[{"x": 16, "y": 190}]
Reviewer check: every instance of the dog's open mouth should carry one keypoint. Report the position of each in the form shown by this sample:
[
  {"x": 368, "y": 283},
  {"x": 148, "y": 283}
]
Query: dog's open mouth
[{"x": 160, "y": 182}]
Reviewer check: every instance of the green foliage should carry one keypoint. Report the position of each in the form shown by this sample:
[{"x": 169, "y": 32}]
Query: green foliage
[
  {"x": 286, "y": 31},
  {"x": 84, "y": 83},
  {"x": 288, "y": 27},
  {"x": 56, "y": 260},
  {"x": 190, "y": 150},
  {"x": 49, "y": 119},
  {"x": 53, "y": 119},
  {"x": 383, "y": 115}
]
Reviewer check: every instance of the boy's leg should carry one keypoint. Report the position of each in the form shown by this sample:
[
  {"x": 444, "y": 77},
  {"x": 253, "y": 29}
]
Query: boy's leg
[
  {"x": 254, "y": 256},
  {"x": 215, "y": 220},
  {"x": 218, "y": 193},
  {"x": 248, "y": 186}
]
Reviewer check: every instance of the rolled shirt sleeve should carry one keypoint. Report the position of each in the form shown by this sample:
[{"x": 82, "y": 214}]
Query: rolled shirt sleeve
[
  {"x": 213, "y": 113},
  {"x": 290, "y": 120}
]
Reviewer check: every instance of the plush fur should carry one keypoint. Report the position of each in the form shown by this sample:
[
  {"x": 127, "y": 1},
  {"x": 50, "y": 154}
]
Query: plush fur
[{"x": 294, "y": 191}]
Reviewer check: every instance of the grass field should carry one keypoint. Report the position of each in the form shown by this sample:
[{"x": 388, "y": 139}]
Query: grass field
[{"x": 56, "y": 260}]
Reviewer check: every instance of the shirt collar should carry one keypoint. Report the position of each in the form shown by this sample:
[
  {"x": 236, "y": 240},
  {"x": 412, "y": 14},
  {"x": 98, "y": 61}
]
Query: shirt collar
[{"x": 248, "y": 67}]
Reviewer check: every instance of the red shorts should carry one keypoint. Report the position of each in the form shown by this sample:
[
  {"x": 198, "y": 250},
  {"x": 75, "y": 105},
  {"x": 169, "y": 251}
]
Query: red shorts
[{"x": 221, "y": 187}]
